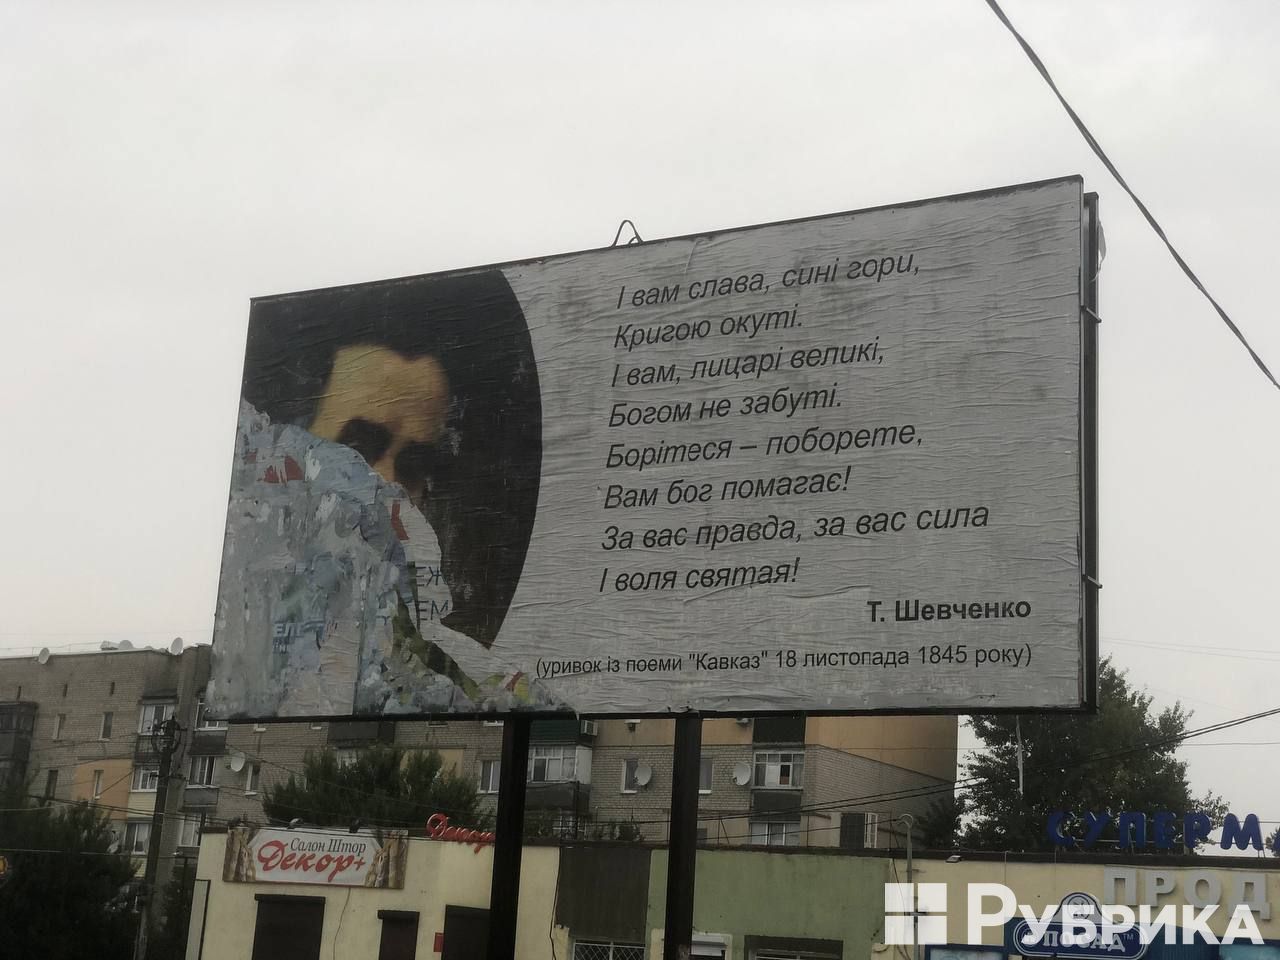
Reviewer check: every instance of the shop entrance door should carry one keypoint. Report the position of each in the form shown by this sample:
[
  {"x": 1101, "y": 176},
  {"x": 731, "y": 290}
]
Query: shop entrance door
[{"x": 466, "y": 933}]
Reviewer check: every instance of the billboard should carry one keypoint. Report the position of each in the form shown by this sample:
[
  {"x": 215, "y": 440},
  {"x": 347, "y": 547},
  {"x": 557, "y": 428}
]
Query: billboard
[
  {"x": 836, "y": 464},
  {"x": 325, "y": 857}
]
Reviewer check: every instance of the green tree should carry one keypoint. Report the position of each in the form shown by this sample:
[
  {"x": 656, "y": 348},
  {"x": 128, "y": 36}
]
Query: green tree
[
  {"x": 66, "y": 893},
  {"x": 1273, "y": 842},
  {"x": 939, "y": 826},
  {"x": 1062, "y": 769},
  {"x": 168, "y": 938},
  {"x": 385, "y": 786}
]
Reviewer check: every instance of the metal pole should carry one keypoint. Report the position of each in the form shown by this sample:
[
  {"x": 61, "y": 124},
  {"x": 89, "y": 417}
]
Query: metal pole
[
  {"x": 504, "y": 886},
  {"x": 165, "y": 742},
  {"x": 682, "y": 847}
]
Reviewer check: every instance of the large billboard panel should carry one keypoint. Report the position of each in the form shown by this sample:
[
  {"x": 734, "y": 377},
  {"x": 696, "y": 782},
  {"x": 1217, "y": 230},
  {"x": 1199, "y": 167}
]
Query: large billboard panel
[{"x": 835, "y": 464}]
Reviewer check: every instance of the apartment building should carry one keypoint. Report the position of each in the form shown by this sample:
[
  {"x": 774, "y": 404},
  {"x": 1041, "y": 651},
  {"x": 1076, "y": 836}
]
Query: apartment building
[
  {"x": 78, "y": 727},
  {"x": 786, "y": 780}
]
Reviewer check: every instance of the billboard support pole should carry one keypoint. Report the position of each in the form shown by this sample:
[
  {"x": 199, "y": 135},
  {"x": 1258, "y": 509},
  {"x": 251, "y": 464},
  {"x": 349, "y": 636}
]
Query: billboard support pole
[
  {"x": 682, "y": 845},
  {"x": 504, "y": 888}
]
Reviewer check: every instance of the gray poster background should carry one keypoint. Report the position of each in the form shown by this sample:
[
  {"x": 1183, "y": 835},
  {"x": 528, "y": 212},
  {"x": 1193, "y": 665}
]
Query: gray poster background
[{"x": 977, "y": 346}]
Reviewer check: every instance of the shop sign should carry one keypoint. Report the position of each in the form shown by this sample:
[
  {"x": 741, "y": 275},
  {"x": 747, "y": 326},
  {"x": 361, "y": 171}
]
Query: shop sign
[
  {"x": 1165, "y": 831},
  {"x": 1054, "y": 939},
  {"x": 314, "y": 856}
]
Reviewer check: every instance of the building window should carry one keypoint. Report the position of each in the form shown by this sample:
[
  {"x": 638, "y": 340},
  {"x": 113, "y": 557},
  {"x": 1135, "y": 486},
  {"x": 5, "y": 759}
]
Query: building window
[
  {"x": 202, "y": 771},
  {"x": 346, "y": 756},
  {"x": 111, "y": 689},
  {"x": 399, "y": 935},
  {"x": 153, "y": 716},
  {"x": 65, "y": 688},
  {"x": 603, "y": 950},
  {"x": 552, "y": 764},
  {"x": 105, "y": 732},
  {"x": 145, "y": 779},
  {"x": 704, "y": 775},
  {"x": 50, "y": 784},
  {"x": 205, "y": 723},
  {"x": 870, "y": 829},
  {"x": 189, "y": 832},
  {"x": 489, "y": 773},
  {"x": 252, "y": 776},
  {"x": 136, "y": 836},
  {"x": 287, "y": 927},
  {"x": 779, "y": 769},
  {"x": 97, "y": 784},
  {"x": 59, "y": 722},
  {"x": 775, "y": 833},
  {"x": 629, "y": 782}
]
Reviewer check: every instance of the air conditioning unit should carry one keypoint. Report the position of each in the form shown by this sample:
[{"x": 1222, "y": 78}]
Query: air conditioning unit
[
  {"x": 590, "y": 728},
  {"x": 744, "y": 721}
]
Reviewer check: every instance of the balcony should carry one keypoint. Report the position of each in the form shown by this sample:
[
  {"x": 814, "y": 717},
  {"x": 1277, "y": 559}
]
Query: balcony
[
  {"x": 361, "y": 733},
  {"x": 200, "y": 796},
  {"x": 17, "y": 721},
  {"x": 561, "y": 795},
  {"x": 782, "y": 729}
]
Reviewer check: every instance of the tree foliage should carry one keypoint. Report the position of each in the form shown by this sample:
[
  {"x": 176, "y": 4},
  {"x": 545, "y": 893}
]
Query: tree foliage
[
  {"x": 1273, "y": 842},
  {"x": 939, "y": 827},
  {"x": 385, "y": 786},
  {"x": 1069, "y": 763},
  {"x": 168, "y": 937},
  {"x": 66, "y": 894}
]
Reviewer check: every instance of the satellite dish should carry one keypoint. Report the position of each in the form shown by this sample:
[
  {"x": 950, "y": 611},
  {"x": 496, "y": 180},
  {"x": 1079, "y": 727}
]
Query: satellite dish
[
  {"x": 124, "y": 645},
  {"x": 644, "y": 773},
  {"x": 742, "y": 773},
  {"x": 176, "y": 647},
  {"x": 43, "y": 656},
  {"x": 237, "y": 761}
]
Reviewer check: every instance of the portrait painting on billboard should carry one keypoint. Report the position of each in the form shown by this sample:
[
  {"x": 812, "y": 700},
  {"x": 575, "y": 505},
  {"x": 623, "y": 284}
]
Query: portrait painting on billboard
[{"x": 390, "y": 450}]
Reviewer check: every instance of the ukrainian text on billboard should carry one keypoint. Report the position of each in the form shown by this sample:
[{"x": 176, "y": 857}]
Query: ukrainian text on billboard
[{"x": 831, "y": 464}]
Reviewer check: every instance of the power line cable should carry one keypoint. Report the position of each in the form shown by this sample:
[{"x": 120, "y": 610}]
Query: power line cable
[{"x": 1142, "y": 207}]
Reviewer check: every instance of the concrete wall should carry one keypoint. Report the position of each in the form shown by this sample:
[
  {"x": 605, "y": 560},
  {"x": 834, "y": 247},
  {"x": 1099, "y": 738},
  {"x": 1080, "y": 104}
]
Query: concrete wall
[
  {"x": 926, "y": 745},
  {"x": 833, "y": 776},
  {"x": 754, "y": 893}
]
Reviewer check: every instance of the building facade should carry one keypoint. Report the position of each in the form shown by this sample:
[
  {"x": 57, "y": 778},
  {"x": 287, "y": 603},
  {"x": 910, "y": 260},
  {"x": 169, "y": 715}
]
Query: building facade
[
  {"x": 590, "y": 901},
  {"x": 786, "y": 781},
  {"x": 78, "y": 727}
]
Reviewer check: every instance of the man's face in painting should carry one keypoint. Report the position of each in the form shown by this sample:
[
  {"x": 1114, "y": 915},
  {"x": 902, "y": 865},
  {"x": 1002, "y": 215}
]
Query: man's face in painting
[{"x": 389, "y": 408}]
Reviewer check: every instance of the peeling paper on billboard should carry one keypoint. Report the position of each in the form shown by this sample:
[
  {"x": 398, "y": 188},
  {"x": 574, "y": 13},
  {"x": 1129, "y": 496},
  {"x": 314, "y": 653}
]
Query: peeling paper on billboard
[{"x": 831, "y": 464}]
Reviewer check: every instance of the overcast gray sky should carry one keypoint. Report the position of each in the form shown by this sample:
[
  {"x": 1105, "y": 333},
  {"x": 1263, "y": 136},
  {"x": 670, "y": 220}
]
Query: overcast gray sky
[{"x": 162, "y": 163}]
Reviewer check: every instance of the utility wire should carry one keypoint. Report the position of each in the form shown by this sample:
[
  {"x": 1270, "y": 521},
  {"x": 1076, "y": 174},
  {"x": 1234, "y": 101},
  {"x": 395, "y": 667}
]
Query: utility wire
[{"x": 1142, "y": 207}]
